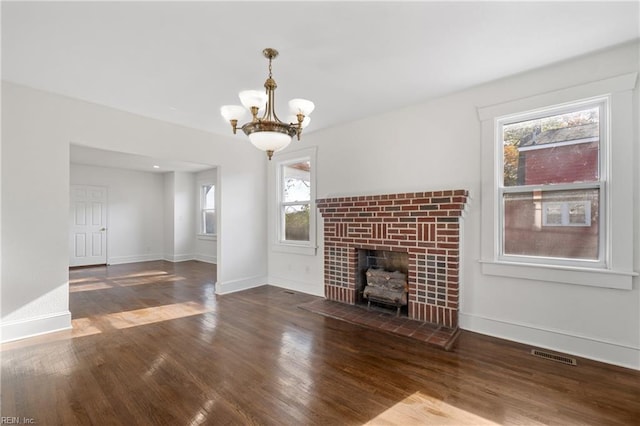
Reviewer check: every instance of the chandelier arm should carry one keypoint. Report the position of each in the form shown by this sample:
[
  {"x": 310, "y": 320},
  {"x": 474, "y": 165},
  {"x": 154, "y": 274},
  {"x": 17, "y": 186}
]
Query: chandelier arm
[{"x": 276, "y": 119}]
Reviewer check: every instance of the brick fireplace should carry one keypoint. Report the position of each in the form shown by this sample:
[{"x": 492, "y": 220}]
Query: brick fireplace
[{"x": 425, "y": 225}]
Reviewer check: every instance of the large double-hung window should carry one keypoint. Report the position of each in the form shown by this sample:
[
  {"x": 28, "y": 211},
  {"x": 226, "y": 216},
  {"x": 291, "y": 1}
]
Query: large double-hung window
[
  {"x": 552, "y": 187},
  {"x": 557, "y": 193},
  {"x": 295, "y": 230}
]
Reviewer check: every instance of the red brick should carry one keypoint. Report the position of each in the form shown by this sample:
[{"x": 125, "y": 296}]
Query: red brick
[
  {"x": 401, "y": 201},
  {"x": 409, "y": 207}
]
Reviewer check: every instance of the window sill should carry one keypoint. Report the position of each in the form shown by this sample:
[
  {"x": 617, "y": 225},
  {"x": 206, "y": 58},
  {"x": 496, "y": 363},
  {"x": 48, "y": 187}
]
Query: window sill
[
  {"x": 295, "y": 249},
  {"x": 603, "y": 278},
  {"x": 207, "y": 237}
]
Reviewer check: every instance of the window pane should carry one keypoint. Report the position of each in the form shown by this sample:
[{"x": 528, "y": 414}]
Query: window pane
[
  {"x": 296, "y": 222},
  {"x": 296, "y": 182},
  {"x": 561, "y": 148},
  {"x": 208, "y": 196},
  {"x": 209, "y": 221},
  {"x": 557, "y": 224},
  {"x": 552, "y": 214},
  {"x": 579, "y": 213}
]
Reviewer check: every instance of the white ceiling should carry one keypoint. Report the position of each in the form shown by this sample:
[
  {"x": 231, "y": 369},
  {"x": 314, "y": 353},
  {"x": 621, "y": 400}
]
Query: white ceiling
[
  {"x": 99, "y": 157},
  {"x": 180, "y": 61}
]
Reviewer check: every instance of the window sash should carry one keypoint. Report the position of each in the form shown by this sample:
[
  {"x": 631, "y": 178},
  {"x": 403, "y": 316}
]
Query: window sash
[
  {"x": 283, "y": 215},
  {"x": 203, "y": 221},
  {"x": 282, "y": 231},
  {"x": 601, "y": 261},
  {"x": 601, "y": 184}
]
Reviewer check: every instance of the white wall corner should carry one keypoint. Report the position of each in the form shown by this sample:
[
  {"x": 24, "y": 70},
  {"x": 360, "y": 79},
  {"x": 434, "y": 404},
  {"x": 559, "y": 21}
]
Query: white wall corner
[
  {"x": 31, "y": 327},
  {"x": 558, "y": 341},
  {"x": 233, "y": 286}
]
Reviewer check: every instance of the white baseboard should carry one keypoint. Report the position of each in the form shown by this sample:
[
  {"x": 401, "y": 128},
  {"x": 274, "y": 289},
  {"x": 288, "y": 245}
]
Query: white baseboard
[
  {"x": 556, "y": 340},
  {"x": 240, "y": 284},
  {"x": 206, "y": 258},
  {"x": 118, "y": 260},
  {"x": 178, "y": 257},
  {"x": 30, "y": 327},
  {"x": 307, "y": 288}
]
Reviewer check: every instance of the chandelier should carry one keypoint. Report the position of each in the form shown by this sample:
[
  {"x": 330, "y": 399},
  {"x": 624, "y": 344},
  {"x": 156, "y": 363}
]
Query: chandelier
[{"x": 265, "y": 130}]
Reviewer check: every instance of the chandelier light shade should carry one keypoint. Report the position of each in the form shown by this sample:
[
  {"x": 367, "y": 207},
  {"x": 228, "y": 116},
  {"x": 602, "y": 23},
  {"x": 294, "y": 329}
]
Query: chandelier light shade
[{"x": 267, "y": 132}]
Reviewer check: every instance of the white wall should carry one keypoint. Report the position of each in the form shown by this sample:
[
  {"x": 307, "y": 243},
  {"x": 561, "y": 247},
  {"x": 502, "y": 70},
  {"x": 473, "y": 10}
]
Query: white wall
[
  {"x": 134, "y": 208},
  {"x": 169, "y": 215},
  {"x": 185, "y": 207},
  {"x": 436, "y": 145},
  {"x": 179, "y": 224},
  {"x": 37, "y": 128}
]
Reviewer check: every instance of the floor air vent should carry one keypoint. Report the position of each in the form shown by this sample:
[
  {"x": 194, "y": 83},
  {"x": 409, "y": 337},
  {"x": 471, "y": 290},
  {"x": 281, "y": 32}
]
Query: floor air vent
[{"x": 553, "y": 357}]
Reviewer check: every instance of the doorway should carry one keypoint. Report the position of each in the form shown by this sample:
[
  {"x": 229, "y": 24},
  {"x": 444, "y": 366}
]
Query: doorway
[{"x": 88, "y": 225}]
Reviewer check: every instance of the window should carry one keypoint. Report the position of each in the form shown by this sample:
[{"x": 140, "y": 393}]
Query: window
[
  {"x": 553, "y": 208},
  {"x": 552, "y": 182},
  {"x": 208, "y": 209},
  {"x": 295, "y": 202}
]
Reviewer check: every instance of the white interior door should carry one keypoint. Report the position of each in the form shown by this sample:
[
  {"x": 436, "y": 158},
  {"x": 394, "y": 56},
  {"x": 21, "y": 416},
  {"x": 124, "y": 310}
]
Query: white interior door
[{"x": 88, "y": 225}]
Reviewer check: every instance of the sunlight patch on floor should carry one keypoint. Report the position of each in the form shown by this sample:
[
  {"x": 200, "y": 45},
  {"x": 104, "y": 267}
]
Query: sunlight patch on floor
[
  {"x": 422, "y": 409},
  {"x": 83, "y": 327},
  {"x": 140, "y": 275},
  {"x": 78, "y": 285},
  {"x": 95, "y": 324},
  {"x": 83, "y": 280},
  {"x": 128, "y": 282},
  {"x": 73, "y": 287},
  {"x": 154, "y": 314},
  {"x": 134, "y": 318}
]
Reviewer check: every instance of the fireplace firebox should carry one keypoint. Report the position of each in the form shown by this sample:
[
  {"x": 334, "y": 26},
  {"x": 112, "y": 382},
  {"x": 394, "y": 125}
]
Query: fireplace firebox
[{"x": 382, "y": 279}]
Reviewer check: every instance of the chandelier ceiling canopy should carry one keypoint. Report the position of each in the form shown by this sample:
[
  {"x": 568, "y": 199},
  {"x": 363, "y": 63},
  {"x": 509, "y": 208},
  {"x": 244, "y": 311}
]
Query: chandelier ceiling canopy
[{"x": 265, "y": 130}]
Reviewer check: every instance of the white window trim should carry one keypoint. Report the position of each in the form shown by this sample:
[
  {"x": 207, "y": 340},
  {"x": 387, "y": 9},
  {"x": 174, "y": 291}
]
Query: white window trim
[
  {"x": 617, "y": 270},
  {"x": 310, "y": 247}
]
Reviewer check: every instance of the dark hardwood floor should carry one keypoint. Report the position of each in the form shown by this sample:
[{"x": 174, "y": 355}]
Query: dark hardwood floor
[{"x": 153, "y": 345}]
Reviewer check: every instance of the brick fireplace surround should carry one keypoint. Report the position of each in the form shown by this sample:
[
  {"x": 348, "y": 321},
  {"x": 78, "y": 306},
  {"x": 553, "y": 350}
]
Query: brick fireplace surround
[{"x": 426, "y": 225}]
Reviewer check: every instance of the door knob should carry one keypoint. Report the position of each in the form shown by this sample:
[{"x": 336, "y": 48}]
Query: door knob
[{"x": 103, "y": 229}]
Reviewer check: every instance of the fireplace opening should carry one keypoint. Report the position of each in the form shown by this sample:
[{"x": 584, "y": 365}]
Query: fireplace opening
[{"x": 381, "y": 280}]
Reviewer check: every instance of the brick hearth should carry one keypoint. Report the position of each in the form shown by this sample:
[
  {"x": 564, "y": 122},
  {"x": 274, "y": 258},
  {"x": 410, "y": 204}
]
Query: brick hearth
[{"x": 426, "y": 225}]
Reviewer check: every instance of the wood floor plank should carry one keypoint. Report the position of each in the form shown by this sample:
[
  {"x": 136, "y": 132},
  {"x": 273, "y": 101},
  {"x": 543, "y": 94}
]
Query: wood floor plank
[{"x": 152, "y": 344}]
